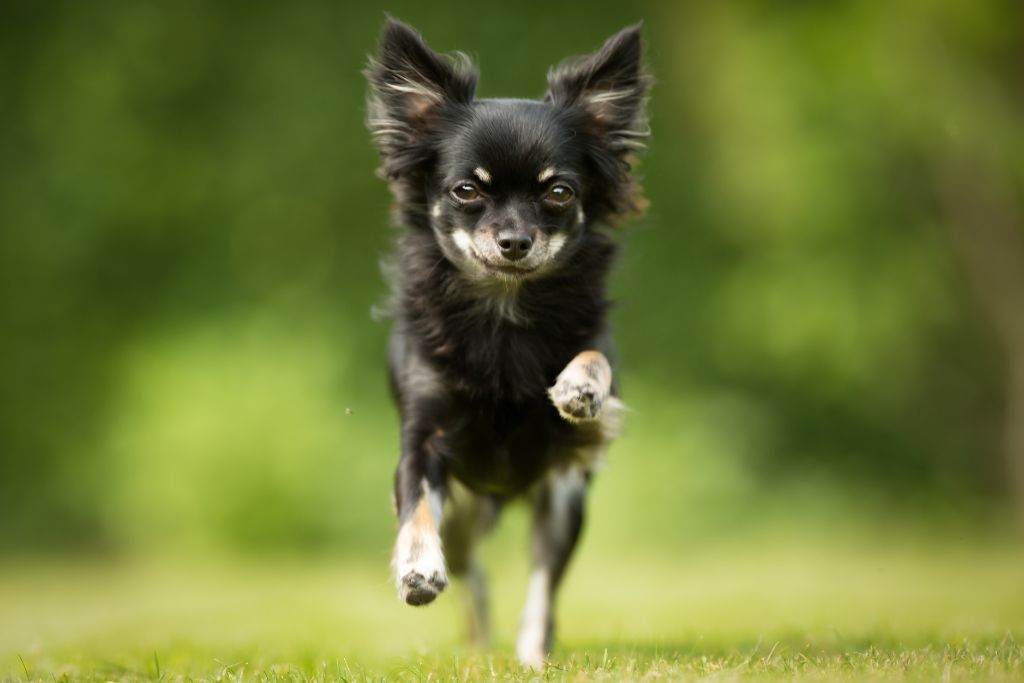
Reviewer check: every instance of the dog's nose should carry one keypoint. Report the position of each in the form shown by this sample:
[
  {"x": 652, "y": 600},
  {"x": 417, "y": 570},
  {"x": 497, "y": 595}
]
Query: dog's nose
[{"x": 514, "y": 244}]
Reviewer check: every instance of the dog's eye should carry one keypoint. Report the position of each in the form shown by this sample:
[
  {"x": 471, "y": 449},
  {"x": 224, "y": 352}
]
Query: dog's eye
[
  {"x": 559, "y": 195},
  {"x": 466, "y": 192}
]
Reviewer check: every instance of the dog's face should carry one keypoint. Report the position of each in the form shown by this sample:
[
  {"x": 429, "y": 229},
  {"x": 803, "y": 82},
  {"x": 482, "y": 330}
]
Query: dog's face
[
  {"x": 507, "y": 186},
  {"x": 505, "y": 198}
]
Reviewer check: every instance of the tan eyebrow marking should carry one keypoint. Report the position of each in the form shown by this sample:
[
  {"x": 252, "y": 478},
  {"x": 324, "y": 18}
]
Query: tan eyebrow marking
[
  {"x": 481, "y": 173},
  {"x": 545, "y": 174}
]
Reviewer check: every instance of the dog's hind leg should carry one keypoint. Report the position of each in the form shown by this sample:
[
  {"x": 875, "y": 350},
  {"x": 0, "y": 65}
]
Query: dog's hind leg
[
  {"x": 557, "y": 520},
  {"x": 467, "y": 518}
]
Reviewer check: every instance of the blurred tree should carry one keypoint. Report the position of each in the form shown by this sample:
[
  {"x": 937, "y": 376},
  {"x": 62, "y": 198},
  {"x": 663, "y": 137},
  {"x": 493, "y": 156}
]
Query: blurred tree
[
  {"x": 190, "y": 230},
  {"x": 986, "y": 228}
]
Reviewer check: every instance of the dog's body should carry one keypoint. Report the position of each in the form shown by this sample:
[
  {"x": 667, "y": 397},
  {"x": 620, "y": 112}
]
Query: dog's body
[{"x": 500, "y": 353}]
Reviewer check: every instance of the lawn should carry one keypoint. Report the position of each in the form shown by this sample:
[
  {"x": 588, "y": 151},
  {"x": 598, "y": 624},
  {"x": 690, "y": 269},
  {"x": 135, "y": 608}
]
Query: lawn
[{"x": 760, "y": 611}]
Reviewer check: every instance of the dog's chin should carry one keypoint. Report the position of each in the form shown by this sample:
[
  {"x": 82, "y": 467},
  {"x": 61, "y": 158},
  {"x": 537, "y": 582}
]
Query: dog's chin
[
  {"x": 506, "y": 270},
  {"x": 503, "y": 271}
]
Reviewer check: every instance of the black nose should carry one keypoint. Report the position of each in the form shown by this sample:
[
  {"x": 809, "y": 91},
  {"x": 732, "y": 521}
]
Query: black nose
[{"x": 514, "y": 244}]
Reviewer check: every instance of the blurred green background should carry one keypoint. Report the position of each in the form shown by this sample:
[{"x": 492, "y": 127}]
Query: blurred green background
[{"x": 821, "y": 318}]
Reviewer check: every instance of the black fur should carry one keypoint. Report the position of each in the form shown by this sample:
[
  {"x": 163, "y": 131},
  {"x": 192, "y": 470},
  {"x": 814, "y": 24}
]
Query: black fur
[
  {"x": 502, "y": 432},
  {"x": 478, "y": 339}
]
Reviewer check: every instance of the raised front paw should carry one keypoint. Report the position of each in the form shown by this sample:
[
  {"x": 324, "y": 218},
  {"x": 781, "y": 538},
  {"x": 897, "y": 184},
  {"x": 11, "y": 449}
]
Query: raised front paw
[
  {"x": 577, "y": 396},
  {"x": 583, "y": 387}
]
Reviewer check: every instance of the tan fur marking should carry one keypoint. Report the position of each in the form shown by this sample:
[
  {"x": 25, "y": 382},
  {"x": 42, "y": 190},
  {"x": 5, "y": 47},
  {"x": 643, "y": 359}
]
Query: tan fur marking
[
  {"x": 594, "y": 365},
  {"x": 418, "y": 559},
  {"x": 423, "y": 518}
]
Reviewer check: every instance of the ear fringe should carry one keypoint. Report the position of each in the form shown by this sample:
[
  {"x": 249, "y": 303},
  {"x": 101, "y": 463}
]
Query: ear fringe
[
  {"x": 410, "y": 86},
  {"x": 609, "y": 88}
]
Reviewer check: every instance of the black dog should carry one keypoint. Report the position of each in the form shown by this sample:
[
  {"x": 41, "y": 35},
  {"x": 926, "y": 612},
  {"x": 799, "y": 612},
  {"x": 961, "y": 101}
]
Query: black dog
[{"x": 499, "y": 355}]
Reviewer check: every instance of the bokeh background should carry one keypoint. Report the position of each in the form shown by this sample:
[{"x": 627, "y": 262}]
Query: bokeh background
[{"x": 820, "y": 319}]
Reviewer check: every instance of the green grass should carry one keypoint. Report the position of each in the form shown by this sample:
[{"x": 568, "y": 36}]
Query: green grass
[
  {"x": 988, "y": 661},
  {"x": 766, "y": 612}
]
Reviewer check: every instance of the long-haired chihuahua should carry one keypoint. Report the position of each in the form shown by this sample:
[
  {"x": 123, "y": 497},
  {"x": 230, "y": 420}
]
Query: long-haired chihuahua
[{"x": 500, "y": 354}]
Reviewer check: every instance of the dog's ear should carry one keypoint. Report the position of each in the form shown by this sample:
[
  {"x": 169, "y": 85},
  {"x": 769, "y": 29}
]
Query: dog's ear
[
  {"x": 411, "y": 87},
  {"x": 610, "y": 86}
]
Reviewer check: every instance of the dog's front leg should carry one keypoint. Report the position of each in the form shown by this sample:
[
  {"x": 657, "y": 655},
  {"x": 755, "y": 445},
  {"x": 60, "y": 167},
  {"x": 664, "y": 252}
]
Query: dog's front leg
[
  {"x": 419, "y": 496},
  {"x": 583, "y": 387}
]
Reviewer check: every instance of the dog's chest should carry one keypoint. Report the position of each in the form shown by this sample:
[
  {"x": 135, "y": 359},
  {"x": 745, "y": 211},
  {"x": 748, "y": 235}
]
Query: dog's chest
[
  {"x": 499, "y": 361},
  {"x": 511, "y": 351},
  {"x": 502, "y": 449}
]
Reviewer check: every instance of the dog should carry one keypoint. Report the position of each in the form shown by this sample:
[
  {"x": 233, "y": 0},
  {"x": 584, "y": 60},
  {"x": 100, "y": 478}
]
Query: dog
[{"x": 500, "y": 355}]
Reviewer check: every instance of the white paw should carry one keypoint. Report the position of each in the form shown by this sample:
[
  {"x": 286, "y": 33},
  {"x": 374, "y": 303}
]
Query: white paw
[
  {"x": 577, "y": 396},
  {"x": 534, "y": 639},
  {"x": 530, "y": 650},
  {"x": 419, "y": 566}
]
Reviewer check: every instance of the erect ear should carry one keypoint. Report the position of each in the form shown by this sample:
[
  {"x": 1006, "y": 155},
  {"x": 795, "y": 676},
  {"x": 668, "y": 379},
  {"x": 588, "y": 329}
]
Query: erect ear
[
  {"x": 410, "y": 87},
  {"x": 610, "y": 86}
]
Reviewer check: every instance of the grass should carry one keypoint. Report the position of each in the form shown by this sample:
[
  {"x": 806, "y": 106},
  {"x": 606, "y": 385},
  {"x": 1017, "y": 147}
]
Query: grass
[
  {"x": 966, "y": 661},
  {"x": 766, "y": 612}
]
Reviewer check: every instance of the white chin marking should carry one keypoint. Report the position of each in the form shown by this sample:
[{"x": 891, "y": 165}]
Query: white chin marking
[
  {"x": 481, "y": 173},
  {"x": 545, "y": 174},
  {"x": 463, "y": 241},
  {"x": 555, "y": 244}
]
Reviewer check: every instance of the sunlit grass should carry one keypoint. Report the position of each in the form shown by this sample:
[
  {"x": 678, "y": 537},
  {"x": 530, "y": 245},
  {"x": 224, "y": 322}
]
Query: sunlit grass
[
  {"x": 962, "y": 661},
  {"x": 772, "y": 611}
]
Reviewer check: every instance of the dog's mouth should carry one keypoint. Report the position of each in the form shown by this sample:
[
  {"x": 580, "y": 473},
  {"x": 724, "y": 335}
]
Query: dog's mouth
[{"x": 506, "y": 268}]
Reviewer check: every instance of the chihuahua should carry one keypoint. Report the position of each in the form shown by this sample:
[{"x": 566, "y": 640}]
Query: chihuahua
[{"x": 500, "y": 355}]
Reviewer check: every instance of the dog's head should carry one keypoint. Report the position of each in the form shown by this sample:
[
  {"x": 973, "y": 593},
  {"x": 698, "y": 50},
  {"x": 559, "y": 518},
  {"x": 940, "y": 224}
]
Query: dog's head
[{"x": 508, "y": 186}]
